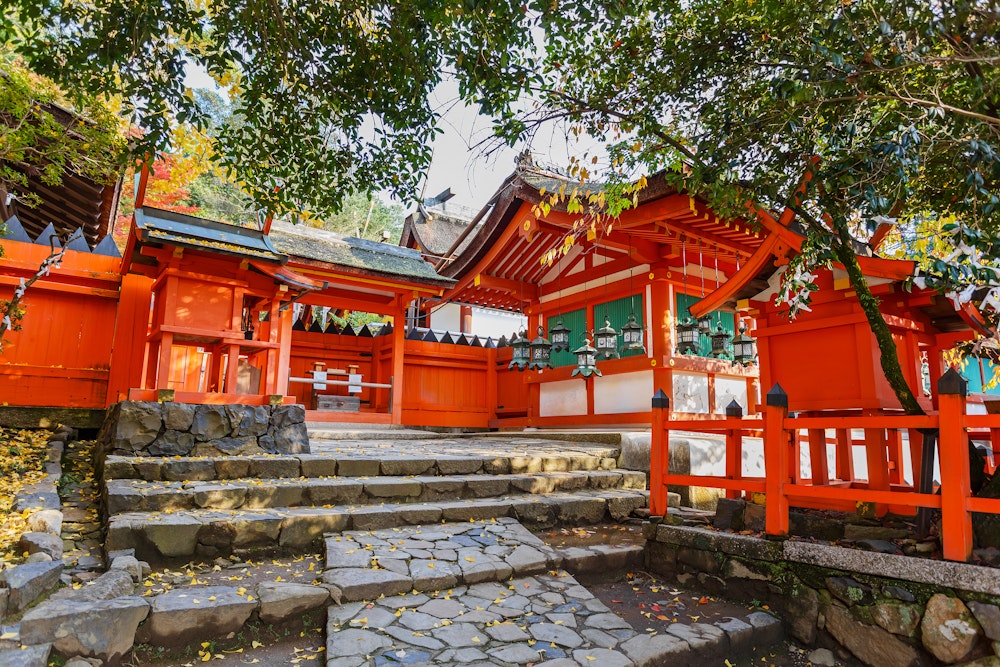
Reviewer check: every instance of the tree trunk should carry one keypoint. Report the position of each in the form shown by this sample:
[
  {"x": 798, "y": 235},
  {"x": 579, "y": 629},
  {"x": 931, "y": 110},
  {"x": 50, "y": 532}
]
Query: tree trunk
[{"x": 888, "y": 356}]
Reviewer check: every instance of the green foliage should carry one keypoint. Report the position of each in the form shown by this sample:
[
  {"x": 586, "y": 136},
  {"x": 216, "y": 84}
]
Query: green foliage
[
  {"x": 366, "y": 217},
  {"x": 330, "y": 97},
  {"x": 40, "y": 136}
]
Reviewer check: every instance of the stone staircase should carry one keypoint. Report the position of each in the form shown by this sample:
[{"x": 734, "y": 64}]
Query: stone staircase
[{"x": 173, "y": 508}]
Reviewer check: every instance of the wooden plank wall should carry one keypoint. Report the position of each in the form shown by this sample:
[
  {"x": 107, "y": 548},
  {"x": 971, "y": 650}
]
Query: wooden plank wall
[{"x": 62, "y": 356}]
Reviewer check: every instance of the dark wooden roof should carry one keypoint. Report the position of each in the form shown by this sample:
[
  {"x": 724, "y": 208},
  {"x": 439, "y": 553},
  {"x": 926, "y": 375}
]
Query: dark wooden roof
[
  {"x": 78, "y": 203},
  {"x": 434, "y": 231}
]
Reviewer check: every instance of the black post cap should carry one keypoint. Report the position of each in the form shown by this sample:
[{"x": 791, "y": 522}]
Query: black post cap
[
  {"x": 953, "y": 384},
  {"x": 777, "y": 398},
  {"x": 734, "y": 409},
  {"x": 660, "y": 400}
]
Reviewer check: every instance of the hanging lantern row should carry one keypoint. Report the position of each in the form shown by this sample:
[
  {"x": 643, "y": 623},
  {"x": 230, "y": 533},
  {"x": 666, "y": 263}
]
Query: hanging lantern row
[
  {"x": 690, "y": 331},
  {"x": 537, "y": 354}
]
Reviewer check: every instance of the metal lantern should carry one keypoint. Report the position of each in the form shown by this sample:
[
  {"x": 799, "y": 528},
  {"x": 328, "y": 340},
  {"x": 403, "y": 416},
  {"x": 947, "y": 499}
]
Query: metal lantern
[
  {"x": 607, "y": 340},
  {"x": 541, "y": 352},
  {"x": 688, "y": 337},
  {"x": 559, "y": 335},
  {"x": 522, "y": 351},
  {"x": 705, "y": 325},
  {"x": 586, "y": 360},
  {"x": 720, "y": 342},
  {"x": 632, "y": 335},
  {"x": 744, "y": 348}
]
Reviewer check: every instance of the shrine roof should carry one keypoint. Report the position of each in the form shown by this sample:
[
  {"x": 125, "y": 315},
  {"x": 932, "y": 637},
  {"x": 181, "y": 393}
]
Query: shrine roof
[
  {"x": 77, "y": 202},
  {"x": 158, "y": 226},
  {"x": 329, "y": 247},
  {"x": 434, "y": 230}
]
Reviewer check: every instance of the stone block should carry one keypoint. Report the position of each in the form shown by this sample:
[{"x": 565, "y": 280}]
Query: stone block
[
  {"x": 26, "y": 656},
  {"x": 135, "y": 424},
  {"x": 30, "y": 581},
  {"x": 210, "y": 422},
  {"x": 264, "y": 467},
  {"x": 291, "y": 439},
  {"x": 178, "y": 416},
  {"x": 188, "y": 470},
  {"x": 102, "y": 629},
  {"x": 172, "y": 536},
  {"x": 184, "y": 616},
  {"x": 948, "y": 629},
  {"x": 246, "y": 445},
  {"x": 249, "y": 420},
  {"x": 365, "y": 584},
  {"x": 219, "y": 496},
  {"x": 172, "y": 443},
  {"x": 406, "y": 466},
  {"x": 651, "y": 651},
  {"x": 358, "y": 467},
  {"x": 317, "y": 465},
  {"x": 287, "y": 415},
  {"x": 232, "y": 467},
  {"x": 393, "y": 488},
  {"x": 46, "y": 521},
  {"x": 281, "y": 601},
  {"x": 899, "y": 618},
  {"x": 869, "y": 643},
  {"x": 988, "y": 616},
  {"x": 333, "y": 491},
  {"x": 302, "y": 526},
  {"x": 51, "y": 545},
  {"x": 255, "y": 529}
]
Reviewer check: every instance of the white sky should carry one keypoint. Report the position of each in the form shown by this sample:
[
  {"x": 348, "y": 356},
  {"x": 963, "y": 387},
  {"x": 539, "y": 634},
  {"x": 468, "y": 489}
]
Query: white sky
[{"x": 458, "y": 162}]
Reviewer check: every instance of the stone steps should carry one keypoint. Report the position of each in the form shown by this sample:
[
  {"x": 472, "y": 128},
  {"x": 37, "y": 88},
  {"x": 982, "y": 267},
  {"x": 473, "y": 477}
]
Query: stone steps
[
  {"x": 125, "y": 495},
  {"x": 203, "y": 533},
  {"x": 348, "y": 464}
]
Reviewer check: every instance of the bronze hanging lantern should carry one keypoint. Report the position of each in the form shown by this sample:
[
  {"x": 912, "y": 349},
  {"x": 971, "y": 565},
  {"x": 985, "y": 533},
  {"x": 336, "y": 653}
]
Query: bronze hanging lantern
[
  {"x": 632, "y": 336},
  {"x": 688, "y": 337},
  {"x": 744, "y": 348},
  {"x": 705, "y": 325},
  {"x": 720, "y": 342},
  {"x": 541, "y": 352},
  {"x": 559, "y": 335},
  {"x": 522, "y": 351},
  {"x": 606, "y": 340},
  {"x": 586, "y": 360}
]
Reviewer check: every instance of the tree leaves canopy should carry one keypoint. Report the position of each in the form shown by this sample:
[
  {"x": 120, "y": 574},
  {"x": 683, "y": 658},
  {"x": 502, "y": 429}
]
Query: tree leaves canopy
[{"x": 332, "y": 97}]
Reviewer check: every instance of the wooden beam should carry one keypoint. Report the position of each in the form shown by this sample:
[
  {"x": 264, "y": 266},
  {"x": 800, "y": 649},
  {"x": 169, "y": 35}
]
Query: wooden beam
[
  {"x": 524, "y": 292},
  {"x": 729, "y": 288}
]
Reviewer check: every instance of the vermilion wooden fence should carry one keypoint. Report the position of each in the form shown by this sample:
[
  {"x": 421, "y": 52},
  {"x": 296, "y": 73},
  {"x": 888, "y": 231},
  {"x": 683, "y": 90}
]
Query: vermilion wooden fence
[{"x": 783, "y": 485}]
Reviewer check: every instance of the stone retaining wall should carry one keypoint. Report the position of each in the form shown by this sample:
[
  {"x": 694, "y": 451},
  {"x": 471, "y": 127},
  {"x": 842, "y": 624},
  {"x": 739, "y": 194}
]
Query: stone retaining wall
[
  {"x": 136, "y": 428},
  {"x": 884, "y": 610}
]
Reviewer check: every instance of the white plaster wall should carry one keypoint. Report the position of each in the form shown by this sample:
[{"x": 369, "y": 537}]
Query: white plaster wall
[
  {"x": 730, "y": 389},
  {"x": 627, "y": 392},
  {"x": 496, "y": 323},
  {"x": 485, "y": 321},
  {"x": 447, "y": 317},
  {"x": 568, "y": 397},
  {"x": 690, "y": 393}
]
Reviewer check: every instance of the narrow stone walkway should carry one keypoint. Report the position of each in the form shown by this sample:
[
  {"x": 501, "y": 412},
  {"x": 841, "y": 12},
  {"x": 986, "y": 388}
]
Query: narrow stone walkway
[{"x": 489, "y": 593}]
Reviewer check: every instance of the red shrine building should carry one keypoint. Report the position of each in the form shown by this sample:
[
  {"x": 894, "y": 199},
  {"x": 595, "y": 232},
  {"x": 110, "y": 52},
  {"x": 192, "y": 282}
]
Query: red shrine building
[{"x": 671, "y": 298}]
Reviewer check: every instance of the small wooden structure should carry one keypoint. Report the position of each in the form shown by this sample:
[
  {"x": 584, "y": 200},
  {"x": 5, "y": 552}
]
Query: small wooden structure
[{"x": 216, "y": 293}]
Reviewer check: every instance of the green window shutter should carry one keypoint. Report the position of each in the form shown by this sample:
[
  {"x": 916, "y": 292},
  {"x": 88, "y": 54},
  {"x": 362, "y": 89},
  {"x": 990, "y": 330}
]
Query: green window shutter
[
  {"x": 576, "y": 322},
  {"x": 728, "y": 321},
  {"x": 617, "y": 312}
]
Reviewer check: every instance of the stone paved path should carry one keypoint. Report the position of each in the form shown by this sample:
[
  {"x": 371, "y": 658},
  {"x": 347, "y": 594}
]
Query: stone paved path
[{"x": 485, "y": 593}]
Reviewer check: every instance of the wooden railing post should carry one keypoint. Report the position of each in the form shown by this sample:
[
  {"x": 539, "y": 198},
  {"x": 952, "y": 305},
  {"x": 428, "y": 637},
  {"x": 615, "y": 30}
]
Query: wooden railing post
[
  {"x": 953, "y": 454},
  {"x": 734, "y": 448},
  {"x": 659, "y": 455},
  {"x": 776, "y": 461}
]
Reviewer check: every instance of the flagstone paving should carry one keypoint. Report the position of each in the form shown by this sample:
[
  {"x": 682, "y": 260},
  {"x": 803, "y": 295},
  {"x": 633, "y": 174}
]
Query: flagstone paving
[{"x": 488, "y": 593}]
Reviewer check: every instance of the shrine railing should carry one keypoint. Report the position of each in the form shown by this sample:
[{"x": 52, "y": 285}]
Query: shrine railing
[{"x": 886, "y": 488}]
